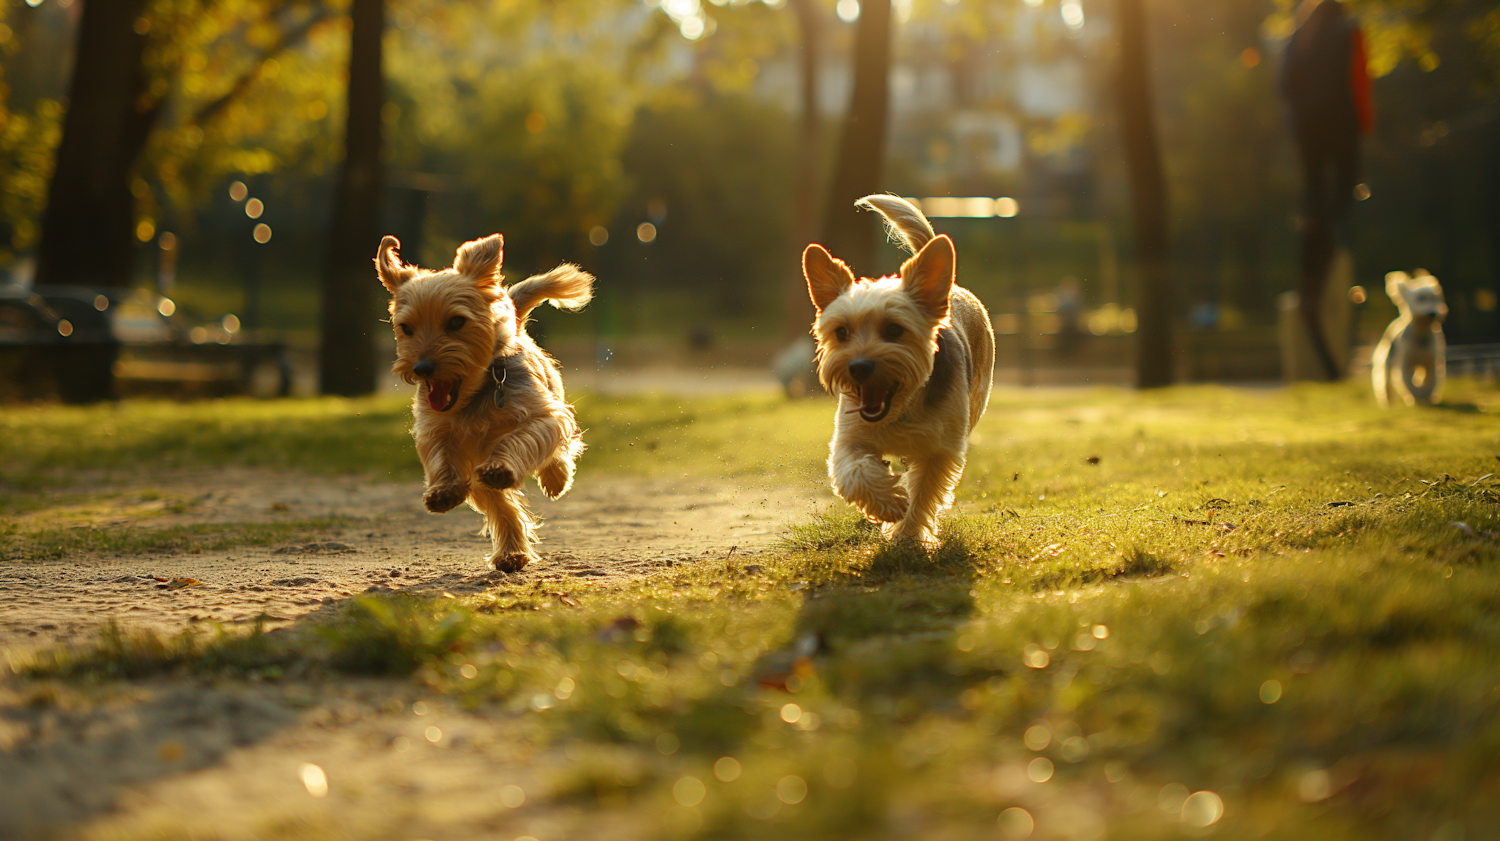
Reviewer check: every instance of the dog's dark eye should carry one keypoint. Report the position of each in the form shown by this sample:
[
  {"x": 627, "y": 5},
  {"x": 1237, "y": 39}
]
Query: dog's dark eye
[
  {"x": 892, "y": 332},
  {"x": 456, "y": 323},
  {"x": 406, "y": 328},
  {"x": 842, "y": 334}
]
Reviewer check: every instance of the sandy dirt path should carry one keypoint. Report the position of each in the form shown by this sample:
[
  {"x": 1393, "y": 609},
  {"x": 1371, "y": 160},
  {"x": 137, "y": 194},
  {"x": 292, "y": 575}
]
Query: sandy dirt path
[
  {"x": 187, "y": 758},
  {"x": 607, "y": 527}
]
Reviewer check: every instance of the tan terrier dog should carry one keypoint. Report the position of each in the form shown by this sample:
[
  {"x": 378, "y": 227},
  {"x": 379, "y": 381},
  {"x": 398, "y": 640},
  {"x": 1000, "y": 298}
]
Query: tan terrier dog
[
  {"x": 489, "y": 407},
  {"x": 911, "y": 357}
]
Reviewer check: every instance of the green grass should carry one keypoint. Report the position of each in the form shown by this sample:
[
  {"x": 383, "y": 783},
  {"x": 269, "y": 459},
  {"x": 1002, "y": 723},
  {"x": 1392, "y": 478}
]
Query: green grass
[
  {"x": 1148, "y": 606},
  {"x": 50, "y": 543}
]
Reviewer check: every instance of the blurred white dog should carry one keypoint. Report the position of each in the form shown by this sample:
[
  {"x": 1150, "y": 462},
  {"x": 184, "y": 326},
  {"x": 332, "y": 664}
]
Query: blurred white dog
[{"x": 1411, "y": 356}]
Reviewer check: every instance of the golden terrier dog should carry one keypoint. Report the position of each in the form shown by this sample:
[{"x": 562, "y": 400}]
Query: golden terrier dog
[
  {"x": 911, "y": 357},
  {"x": 489, "y": 409}
]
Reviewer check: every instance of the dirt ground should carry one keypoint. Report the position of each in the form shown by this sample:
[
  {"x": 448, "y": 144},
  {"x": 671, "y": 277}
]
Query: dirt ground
[{"x": 188, "y": 759}]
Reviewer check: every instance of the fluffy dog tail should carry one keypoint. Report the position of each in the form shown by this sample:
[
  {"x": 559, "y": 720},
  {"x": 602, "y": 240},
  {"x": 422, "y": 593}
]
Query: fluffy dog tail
[
  {"x": 903, "y": 221},
  {"x": 566, "y": 287}
]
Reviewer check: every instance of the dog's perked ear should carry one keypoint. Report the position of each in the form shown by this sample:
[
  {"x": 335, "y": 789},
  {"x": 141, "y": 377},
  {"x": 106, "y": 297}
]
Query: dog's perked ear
[
  {"x": 827, "y": 277},
  {"x": 928, "y": 277},
  {"x": 388, "y": 265},
  {"x": 480, "y": 259},
  {"x": 1395, "y": 287}
]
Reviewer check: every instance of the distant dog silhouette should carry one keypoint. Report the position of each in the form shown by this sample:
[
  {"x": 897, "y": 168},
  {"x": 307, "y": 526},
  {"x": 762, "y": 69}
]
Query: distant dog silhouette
[{"x": 1411, "y": 356}]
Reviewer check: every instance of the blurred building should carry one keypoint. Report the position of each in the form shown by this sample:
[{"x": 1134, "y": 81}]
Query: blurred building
[{"x": 1002, "y": 114}]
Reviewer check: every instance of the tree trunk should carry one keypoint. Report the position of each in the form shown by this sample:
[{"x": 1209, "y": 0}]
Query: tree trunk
[
  {"x": 1153, "y": 364},
  {"x": 848, "y": 233},
  {"x": 805, "y": 192},
  {"x": 349, "y": 319},
  {"x": 88, "y": 227}
]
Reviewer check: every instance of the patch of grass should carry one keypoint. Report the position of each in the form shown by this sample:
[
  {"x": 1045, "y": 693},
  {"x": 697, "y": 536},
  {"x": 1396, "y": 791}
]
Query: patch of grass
[
  {"x": 318, "y": 435},
  {"x": 131, "y": 653},
  {"x": 1201, "y": 611},
  {"x": 53, "y": 543}
]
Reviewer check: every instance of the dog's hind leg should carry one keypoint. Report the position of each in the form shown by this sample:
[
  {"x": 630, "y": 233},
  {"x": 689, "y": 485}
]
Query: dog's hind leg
[
  {"x": 930, "y": 483},
  {"x": 508, "y": 524}
]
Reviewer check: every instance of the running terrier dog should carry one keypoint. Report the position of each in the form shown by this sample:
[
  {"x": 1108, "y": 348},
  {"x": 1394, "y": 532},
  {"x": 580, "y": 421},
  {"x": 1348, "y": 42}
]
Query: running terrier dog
[
  {"x": 1411, "y": 358},
  {"x": 911, "y": 357},
  {"x": 489, "y": 409}
]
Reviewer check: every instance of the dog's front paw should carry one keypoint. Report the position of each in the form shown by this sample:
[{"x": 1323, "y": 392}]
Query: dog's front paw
[
  {"x": 442, "y": 498},
  {"x": 510, "y": 561},
  {"x": 497, "y": 476}
]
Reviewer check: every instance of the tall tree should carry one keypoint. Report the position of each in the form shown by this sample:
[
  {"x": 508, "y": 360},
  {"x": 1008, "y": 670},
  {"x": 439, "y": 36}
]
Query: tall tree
[
  {"x": 809, "y": 164},
  {"x": 166, "y": 98},
  {"x": 346, "y": 359},
  {"x": 1153, "y": 364},
  {"x": 857, "y": 168},
  {"x": 88, "y": 227}
]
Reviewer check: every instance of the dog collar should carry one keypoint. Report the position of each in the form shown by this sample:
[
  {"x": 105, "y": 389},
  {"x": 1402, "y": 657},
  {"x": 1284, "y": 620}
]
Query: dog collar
[{"x": 498, "y": 375}]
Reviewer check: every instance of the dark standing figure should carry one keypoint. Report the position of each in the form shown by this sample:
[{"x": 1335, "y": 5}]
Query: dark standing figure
[{"x": 1327, "y": 87}]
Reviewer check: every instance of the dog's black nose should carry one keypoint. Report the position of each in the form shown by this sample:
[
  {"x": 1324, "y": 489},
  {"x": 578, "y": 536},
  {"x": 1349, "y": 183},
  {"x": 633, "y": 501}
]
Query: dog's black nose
[
  {"x": 424, "y": 368},
  {"x": 861, "y": 369}
]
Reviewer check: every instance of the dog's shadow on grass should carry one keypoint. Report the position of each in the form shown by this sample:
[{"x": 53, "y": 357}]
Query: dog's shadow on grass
[
  {"x": 878, "y": 629},
  {"x": 1458, "y": 408}
]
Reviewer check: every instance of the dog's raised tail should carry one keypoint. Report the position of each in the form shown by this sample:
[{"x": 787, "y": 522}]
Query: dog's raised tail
[
  {"x": 903, "y": 220},
  {"x": 566, "y": 287}
]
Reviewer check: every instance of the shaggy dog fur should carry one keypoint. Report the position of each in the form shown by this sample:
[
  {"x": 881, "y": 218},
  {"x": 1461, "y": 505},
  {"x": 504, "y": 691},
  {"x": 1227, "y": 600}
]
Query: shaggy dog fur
[
  {"x": 489, "y": 409},
  {"x": 911, "y": 357}
]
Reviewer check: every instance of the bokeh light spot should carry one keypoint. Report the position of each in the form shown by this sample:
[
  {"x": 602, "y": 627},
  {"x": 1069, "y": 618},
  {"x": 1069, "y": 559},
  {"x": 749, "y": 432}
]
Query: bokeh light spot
[
  {"x": 1270, "y": 692},
  {"x": 1038, "y": 737},
  {"x": 512, "y": 796},
  {"x": 313, "y": 779},
  {"x": 791, "y": 790},
  {"x": 1201, "y": 809},
  {"x": 689, "y": 791},
  {"x": 727, "y": 769},
  {"x": 1016, "y": 822}
]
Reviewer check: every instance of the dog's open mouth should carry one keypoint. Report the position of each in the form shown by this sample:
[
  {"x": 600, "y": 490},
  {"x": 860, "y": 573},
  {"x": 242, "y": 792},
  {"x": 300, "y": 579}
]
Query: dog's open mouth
[
  {"x": 875, "y": 402},
  {"x": 441, "y": 395}
]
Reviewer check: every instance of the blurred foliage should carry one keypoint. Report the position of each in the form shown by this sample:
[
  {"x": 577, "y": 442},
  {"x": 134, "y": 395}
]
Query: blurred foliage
[
  {"x": 529, "y": 139},
  {"x": 547, "y": 120},
  {"x": 724, "y": 183}
]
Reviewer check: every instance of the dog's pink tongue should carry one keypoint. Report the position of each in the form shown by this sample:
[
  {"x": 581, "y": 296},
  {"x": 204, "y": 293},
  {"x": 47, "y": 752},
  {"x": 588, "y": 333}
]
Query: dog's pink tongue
[
  {"x": 872, "y": 400},
  {"x": 437, "y": 395}
]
